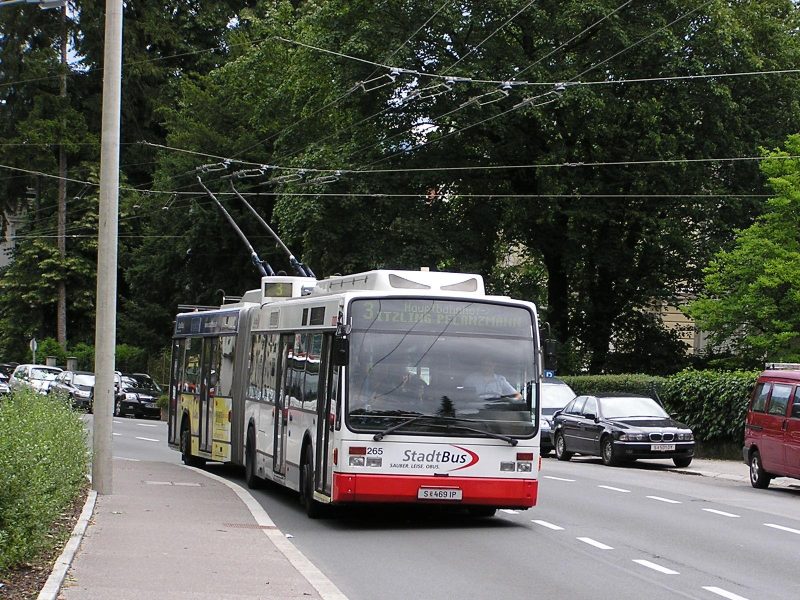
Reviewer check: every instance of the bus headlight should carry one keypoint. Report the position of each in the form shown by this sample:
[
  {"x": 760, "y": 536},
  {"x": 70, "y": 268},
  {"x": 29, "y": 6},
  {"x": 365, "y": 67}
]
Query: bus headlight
[{"x": 356, "y": 461}]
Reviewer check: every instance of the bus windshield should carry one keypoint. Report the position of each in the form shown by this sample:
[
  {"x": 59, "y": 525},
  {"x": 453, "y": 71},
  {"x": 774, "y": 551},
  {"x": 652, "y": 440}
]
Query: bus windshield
[{"x": 465, "y": 360}]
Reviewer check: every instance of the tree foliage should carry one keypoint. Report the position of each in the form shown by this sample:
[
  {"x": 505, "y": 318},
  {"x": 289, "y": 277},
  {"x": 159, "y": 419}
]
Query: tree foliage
[{"x": 751, "y": 300}]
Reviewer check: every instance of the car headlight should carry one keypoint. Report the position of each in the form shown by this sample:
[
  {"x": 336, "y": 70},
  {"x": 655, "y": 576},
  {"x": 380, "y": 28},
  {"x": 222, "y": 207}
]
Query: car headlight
[
  {"x": 82, "y": 393},
  {"x": 685, "y": 436},
  {"x": 632, "y": 437},
  {"x": 131, "y": 397},
  {"x": 547, "y": 424}
]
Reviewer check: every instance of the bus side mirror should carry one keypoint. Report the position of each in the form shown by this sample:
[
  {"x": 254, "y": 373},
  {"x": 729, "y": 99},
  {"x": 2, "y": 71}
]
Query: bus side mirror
[{"x": 341, "y": 351}]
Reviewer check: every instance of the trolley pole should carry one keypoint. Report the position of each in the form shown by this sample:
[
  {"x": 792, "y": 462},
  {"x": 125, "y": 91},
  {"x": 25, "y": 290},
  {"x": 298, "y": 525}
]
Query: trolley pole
[{"x": 106, "y": 316}]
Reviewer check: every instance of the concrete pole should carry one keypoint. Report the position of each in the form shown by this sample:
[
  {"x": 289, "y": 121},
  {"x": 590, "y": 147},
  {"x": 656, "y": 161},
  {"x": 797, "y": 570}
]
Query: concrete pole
[
  {"x": 61, "y": 313},
  {"x": 106, "y": 317}
]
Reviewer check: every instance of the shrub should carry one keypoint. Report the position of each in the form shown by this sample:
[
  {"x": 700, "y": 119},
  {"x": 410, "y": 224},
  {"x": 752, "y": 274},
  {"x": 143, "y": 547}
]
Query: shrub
[
  {"x": 626, "y": 384},
  {"x": 43, "y": 465},
  {"x": 712, "y": 403}
]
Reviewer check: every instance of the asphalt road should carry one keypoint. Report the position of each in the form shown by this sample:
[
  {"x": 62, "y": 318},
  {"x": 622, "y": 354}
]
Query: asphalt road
[{"x": 598, "y": 532}]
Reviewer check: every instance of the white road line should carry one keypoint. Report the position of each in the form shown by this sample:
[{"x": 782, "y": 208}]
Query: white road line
[
  {"x": 655, "y": 567},
  {"x": 723, "y": 593},
  {"x": 667, "y": 500},
  {"x": 614, "y": 489},
  {"x": 509, "y": 511},
  {"x": 146, "y": 439},
  {"x": 557, "y": 478},
  {"x": 721, "y": 512},
  {"x": 782, "y": 528},
  {"x": 594, "y": 543},
  {"x": 548, "y": 525},
  {"x": 126, "y": 458},
  {"x": 146, "y": 425},
  {"x": 116, "y": 434}
]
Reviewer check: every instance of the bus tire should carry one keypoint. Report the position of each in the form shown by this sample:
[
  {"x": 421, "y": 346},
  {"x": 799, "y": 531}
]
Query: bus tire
[
  {"x": 186, "y": 449},
  {"x": 313, "y": 508},
  {"x": 250, "y": 470}
]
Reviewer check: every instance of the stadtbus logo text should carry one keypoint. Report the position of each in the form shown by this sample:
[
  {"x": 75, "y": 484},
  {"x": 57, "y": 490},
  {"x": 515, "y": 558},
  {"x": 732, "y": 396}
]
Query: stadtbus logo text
[{"x": 460, "y": 459}]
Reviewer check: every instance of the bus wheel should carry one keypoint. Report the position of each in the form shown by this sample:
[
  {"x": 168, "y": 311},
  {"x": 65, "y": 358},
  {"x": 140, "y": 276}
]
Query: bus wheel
[
  {"x": 313, "y": 508},
  {"x": 250, "y": 477},
  {"x": 186, "y": 450}
]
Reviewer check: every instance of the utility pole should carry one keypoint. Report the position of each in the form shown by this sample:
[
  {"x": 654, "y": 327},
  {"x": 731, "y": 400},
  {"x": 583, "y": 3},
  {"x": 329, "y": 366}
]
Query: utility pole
[
  {"x": 106, "y": 315},
  {"x": 61, "y": 315}
]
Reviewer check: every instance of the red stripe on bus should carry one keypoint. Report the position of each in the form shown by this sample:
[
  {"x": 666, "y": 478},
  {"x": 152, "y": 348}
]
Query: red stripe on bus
[{"x": 503, "y": 493}]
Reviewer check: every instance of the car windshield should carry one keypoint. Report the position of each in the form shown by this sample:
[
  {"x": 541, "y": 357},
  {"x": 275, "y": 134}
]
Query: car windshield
[
  {"x": 555, "y": 396},
  {"x": 142, "y": 382},
  {"x": 623, "y": 407},
  {"x": 43, "y": 374},
  {"x": 84, "y": 379},
  {"x": 441, "y": 358}
]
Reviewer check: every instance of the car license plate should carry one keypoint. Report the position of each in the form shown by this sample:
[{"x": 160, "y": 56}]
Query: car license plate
[
  {"x": 439, "y": 494},
  {"x": 662, "y": 447}
]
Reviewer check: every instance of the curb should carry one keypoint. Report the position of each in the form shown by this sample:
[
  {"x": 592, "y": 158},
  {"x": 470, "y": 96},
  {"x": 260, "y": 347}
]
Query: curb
[
  {"x": 324, "y": 586},
  {"x": 53, "y": 584}
]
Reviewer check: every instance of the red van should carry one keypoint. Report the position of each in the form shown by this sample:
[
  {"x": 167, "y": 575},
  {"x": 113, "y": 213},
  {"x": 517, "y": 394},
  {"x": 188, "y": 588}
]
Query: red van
[{"x": 772, "y": 428}]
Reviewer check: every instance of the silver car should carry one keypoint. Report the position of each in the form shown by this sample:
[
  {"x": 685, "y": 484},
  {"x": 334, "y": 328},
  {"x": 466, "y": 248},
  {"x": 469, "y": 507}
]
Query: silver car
[{"x": 34, "y": 377}]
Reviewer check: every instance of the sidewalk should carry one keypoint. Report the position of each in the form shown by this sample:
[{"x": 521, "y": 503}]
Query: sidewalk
[{"x": 170, "y": 532}]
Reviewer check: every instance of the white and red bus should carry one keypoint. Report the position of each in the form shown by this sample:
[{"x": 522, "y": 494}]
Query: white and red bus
[{"x": 379, "y": 387}]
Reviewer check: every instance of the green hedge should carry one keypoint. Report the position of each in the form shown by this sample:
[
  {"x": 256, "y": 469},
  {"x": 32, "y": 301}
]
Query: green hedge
[
  {"x": 712, "y": 403},
  {"x": 43, "y": 465}
]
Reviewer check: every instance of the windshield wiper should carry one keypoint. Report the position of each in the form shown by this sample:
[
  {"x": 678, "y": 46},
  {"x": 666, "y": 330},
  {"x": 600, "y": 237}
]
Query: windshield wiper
[{"x": 447, "y": 425}]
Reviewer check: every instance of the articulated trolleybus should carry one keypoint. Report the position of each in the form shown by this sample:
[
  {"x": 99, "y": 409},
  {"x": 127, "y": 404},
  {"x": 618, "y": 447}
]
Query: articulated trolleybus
[{"x": 380, "y": 387}]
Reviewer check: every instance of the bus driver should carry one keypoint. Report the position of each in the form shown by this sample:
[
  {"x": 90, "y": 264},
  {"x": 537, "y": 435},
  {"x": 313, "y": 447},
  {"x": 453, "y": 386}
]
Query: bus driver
[{"x": 488, "y": 384}]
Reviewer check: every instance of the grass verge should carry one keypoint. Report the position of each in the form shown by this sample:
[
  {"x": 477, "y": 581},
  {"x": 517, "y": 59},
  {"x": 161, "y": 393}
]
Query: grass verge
[{"x": 43, "y": 465}]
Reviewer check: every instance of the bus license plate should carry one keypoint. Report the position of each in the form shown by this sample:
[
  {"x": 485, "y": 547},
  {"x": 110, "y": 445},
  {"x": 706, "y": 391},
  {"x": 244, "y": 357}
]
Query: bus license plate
[
  {"x": 662, "y": 447},
  {"x": 439, "y": 494}
]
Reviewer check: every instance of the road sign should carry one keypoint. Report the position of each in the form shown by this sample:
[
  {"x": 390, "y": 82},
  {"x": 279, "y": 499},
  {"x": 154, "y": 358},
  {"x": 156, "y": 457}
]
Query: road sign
[
  {"x": 33, "y": 345},
  {"x": 549, "y": 373}
]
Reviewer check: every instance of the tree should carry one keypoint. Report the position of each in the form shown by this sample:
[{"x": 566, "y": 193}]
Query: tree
[{"x": 751, "y": 300}]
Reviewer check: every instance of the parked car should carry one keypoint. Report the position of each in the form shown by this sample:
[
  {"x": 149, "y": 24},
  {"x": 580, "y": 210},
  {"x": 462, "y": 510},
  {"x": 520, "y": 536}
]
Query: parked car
[
  {"x": 34, "y": 377},
  {"x": 137, "y": 396},
  {"x": 620, "y": 429},
  {"x": 4, "y": 389},
  {"x": 555, "y": 394},
  {"x": 772, "y": 426},
  {"x": 78, "y": 386}
]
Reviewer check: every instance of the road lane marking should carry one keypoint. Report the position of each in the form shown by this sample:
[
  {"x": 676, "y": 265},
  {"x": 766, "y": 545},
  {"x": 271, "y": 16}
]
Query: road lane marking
[
  {"x": 146, "y": 425},
  {"x": 116, "y": 434},
  {"x": 146, "y": 439},
  {"x": 614, "y": 489},
  {"x": 721, "y": 512},
  {"x": 655, "y": 567},
  {"x": 126, "y": 458},
  {"x": 723, "y": 593},
  {"x": 594, "y": 543},
  {"x": 557, "y": 478},
  {"x": 667, "y": 500},
  {"x": 548, "y": 525},
  {"x": 117, "y": 422},
  {"x": 782, "y": 528}
]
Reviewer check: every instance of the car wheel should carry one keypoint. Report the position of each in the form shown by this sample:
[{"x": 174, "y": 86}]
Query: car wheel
[
  {"x": 561, "y": 448},
  {"x": 313, "y": 508},
  {"x": 117, "y": 408},
  {"x": 250, "y": 478},
  {"x": 607, "y": 450},
  {"x": 759, "y": 478},
  {"x": 682, "y": 462}
]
